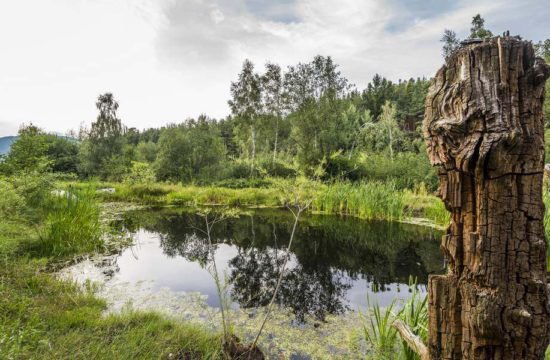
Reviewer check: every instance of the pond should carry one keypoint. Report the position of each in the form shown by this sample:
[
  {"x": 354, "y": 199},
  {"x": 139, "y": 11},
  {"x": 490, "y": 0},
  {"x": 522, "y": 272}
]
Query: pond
[{"x": 335, "y": 264}]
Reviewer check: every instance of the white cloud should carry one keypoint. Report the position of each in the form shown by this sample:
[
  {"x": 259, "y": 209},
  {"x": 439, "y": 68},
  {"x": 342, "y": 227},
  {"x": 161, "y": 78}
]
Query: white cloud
[{"x": 166, "y": 60}]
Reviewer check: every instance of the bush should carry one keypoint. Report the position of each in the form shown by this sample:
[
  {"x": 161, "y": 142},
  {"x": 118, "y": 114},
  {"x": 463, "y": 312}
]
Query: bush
[
  {"x": 277, "y": 168},
  {"x": 11, "y": 202},
  {"x": 140, "y": 173},
  {"x": 406, "y": 170},
  {"x": 339, "y": 166},
  {"x": 244, "y": 183},
  {"x": 238, "y": 169},
  {"x": 34, "y": 188}
]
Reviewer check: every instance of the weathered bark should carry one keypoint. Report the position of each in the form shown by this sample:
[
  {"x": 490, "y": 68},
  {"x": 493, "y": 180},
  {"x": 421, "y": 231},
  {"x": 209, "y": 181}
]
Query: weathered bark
[{"x": 484, "y": 131}]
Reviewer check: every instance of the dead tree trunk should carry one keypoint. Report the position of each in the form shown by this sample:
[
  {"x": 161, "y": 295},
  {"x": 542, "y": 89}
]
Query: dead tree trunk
[{"x": 484, "y": 131}]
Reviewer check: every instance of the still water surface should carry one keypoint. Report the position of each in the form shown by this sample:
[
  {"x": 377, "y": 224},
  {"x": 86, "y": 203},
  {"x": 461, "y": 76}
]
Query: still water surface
[{"x": 335, "y": 262}]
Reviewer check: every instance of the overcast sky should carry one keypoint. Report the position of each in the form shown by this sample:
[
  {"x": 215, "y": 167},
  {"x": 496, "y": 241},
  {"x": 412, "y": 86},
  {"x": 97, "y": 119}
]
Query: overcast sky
[{"x": 167, "y": 60}]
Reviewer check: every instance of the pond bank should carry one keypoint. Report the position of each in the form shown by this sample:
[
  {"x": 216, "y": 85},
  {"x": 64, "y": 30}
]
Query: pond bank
[{"x": 369, "y": 201}]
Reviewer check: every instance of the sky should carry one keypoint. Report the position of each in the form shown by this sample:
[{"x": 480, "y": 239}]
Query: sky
[{"x": 169, "y": 60}]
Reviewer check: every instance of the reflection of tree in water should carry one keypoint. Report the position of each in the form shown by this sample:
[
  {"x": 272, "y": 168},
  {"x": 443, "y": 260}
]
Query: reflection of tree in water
[
  {"x": 327, "y": 255},
  {"x": 409, "y": 264},
  {"x": 191, "y": 247},
  {"x": 314, "y": 291}
]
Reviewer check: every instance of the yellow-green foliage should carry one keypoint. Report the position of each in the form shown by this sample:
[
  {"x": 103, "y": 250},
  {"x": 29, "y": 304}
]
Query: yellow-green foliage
[
  {"x": 368, "y": 200},
  {"x": 371, "y": 200},
  {"x": 419, "y": 203}
]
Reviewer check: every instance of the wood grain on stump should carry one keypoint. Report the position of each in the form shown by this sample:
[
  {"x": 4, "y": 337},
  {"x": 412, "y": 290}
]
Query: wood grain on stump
[{"x": 484, "y": 131}]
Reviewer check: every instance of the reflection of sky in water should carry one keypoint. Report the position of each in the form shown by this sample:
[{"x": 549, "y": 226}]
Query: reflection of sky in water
[{"x": 147, "y": 261}]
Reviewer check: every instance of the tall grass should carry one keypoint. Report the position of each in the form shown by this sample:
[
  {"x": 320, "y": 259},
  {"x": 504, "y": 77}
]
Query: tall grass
[
  {"x": 415, "y": 315},
  {"x": 421, "y": 204},
  {"x": 72, "y": 224},
  {"x": 368, "y": 200},
  {"x": 379, "y": 334}
]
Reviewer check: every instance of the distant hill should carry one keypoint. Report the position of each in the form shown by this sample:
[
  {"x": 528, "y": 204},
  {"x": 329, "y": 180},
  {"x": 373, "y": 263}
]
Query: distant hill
[
  {"x": 5, "y": 144},
  {"x": 6, "y": 141}
]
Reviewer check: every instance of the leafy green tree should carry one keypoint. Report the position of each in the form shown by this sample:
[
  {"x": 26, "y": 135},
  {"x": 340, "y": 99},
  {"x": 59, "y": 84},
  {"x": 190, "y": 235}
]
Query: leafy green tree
[
  {"x": 354, "y": 120},
  {"x": 304, "y": 82},
  {"x": 171, "y": 159},
  {"x": 146, "y": 151},
  {"x": 378, "y": 91},
  {"x": 322, "y": 128},
  {"x": 28, "y": 152},
  {"x": 388, "y": 123},
  {"x": 478, "y": 29},
  {"x": 102, "y": 152},
  {"x": 246, "y": 103},
  {"x": 132, "y": 136},
  {"x": 208, "y": 151},
  {"x": 63, "y": 154},
  {"x": 273, "y": 99},
  {"x": 450, "y": 43},
  {"x": 191, "y": 151},
  {"x": 384, "y": 134}
]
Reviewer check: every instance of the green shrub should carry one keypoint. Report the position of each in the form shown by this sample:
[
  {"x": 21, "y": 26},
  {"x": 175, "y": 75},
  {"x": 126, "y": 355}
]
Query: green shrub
[
  {"x": 34, "y": 187},
  {"x": 277, "y": 168},
  {"x": 140, "y": 173},
  {"x": 406, "y": 170},
  {"x": 11, "y": 202},
  {"x": 340, "y": 166},
  {"x": 244, "y": 183}
]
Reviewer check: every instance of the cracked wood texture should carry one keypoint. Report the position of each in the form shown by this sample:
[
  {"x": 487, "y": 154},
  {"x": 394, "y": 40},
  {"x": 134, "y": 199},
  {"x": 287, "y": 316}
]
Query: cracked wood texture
[{"x": 484, "y": 131}]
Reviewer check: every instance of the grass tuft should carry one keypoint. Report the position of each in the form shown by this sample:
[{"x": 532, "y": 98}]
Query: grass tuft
[{"x": 72, "y": 224}]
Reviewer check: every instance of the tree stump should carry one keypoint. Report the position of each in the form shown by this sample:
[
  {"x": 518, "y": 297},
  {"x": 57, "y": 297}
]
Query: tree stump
[{"x": 484, "y": 131}]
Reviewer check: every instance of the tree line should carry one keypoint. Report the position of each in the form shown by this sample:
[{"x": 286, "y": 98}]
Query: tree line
[{"x": 305, "y": 119}]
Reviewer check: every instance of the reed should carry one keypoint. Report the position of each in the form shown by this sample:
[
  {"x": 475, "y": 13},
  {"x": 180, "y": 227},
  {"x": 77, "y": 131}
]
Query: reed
[
  {"x": 422, "y": 204},
  {"x": 368, "y": 200},
  {"x": 72, "y": 224},
  {"x": 415, "y": 315},
  {"x": 378, "y": 330}
]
